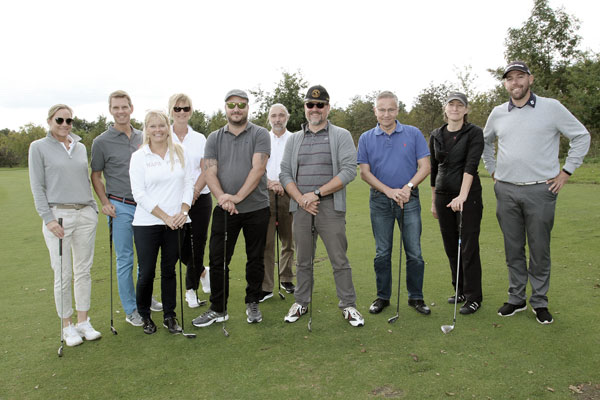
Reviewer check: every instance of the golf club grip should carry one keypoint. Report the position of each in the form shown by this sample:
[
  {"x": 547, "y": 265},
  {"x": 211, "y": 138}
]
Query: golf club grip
[{"x": 60, "y": 222}]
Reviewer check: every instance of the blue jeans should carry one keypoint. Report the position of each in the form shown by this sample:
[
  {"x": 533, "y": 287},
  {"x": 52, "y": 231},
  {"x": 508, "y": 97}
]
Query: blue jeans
[
  {"x": 123, "y": 242},
  {"x": 384, "y": 213}
]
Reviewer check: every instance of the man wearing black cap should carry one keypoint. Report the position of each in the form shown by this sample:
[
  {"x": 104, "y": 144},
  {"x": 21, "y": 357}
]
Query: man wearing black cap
[
  {"x": 318, "y": 162},
  {"x": 235, "y": 161},
  {"x": 528, "y": 178}
]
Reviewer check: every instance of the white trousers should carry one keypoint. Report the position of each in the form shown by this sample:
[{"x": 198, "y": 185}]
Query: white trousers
[{"x": 78, "y": 243}]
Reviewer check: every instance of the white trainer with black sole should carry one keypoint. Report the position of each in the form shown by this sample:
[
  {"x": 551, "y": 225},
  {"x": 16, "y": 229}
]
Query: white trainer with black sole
[
  {"x": 353, "y": 316},
  {"x": 295, "y": 312}
]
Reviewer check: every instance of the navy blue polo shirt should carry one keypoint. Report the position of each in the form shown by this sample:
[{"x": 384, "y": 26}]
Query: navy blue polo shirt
[{"x": 392, "y": 158}]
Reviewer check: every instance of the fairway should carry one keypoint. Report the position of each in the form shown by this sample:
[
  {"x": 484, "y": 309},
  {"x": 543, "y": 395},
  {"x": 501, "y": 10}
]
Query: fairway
[{"x": 485, "y": 356}]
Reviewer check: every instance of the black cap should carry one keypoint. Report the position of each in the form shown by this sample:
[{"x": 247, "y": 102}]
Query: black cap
[
  {"x": 238, "y": 93},
  {"x": 457, "y": 96},
  {"x": 317, "y": 94},
  {"x": 516, "y": 66}
]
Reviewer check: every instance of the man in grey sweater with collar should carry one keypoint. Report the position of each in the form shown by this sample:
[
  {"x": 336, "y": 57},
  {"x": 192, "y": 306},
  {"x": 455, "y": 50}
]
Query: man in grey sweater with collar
[{"x": 528, "y": 177}]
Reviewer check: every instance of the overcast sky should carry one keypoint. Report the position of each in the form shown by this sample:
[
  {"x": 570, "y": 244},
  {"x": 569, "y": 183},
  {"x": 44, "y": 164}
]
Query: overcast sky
[{"x": 77, "y": 52}]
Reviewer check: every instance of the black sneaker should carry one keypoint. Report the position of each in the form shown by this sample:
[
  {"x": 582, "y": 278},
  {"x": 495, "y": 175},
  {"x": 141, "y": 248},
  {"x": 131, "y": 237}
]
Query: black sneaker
[
  {"x": 542, "y": 315},
  {"x": 149, "y": 326},
  {"x": 420, "y": 306},
  {"x": 172, "y": 325},
  {"x": 288, "y": 287},
  {"x": 508, "y": 310},
  {"x": 469, "y": 307},
  {"x": 265, "y": 296},
  {"x": 461, "y": 299},
  {"x": 378, "y": 306}
]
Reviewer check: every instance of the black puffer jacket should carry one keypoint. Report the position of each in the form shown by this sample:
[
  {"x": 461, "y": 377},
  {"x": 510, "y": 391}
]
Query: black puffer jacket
[{"x": 447, "y": 167}]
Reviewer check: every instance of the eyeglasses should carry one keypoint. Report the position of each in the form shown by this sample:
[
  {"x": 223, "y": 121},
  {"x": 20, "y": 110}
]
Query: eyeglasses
[
  {"x": 241, "y": 106},
  {"x": 60, "y": 120},
  {"x": 180, "y": 109},
  {"x": 311, "y": 105}
]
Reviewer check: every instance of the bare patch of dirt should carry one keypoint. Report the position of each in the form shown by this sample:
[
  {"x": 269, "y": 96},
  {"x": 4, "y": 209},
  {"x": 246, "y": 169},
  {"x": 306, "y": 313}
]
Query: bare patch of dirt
[
  {"x": 387, "y": 392},
  {"x": 586, "y": 391}
]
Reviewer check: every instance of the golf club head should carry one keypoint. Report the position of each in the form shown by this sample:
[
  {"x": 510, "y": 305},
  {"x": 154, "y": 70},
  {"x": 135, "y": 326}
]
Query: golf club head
[
  {"x": 189, "y": 335},
  {"x": 447, "y": 328},
  {"x": 310, "y": 325},
  {"x": 225, "y": 332},
  {"x": 202, "y": 303},
  {"x": 281, "y": 296},
  {"x": 113, "y": 330},
  {"x": 60, "y": 351},
  {"x": 393, "y": 319}
]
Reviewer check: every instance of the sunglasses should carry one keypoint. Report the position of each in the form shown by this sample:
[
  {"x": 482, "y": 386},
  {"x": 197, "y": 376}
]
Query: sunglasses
[
  {"x": 241, "y": 106},
  {"x": 60, "y": 120},
  {"x": 311, "y": 105},
  {"x": 180, "y": 109}
]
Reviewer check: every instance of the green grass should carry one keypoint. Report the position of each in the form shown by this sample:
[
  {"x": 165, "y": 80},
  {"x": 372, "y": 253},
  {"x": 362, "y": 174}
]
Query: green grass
[{"x": 486, "y": 356}]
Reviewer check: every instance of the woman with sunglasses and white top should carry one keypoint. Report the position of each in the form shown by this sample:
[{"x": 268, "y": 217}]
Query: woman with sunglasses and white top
[
  {"x": 162, "y": 186},
  {"x": 180, "y": 111},
  {"x": 58, "y": 174}
]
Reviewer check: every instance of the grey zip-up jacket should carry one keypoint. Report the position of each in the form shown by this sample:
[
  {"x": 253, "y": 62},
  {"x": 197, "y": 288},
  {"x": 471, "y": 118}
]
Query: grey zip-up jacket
[{"x": 343, "y": 158}]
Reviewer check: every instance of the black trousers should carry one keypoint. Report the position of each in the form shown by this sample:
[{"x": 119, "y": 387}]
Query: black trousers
[
  {"x": 254, "y": 224},
  {"x": 469, "y": 282},
  {"x": 200, "y": 216},
  {"x": 148, "y": 240}
]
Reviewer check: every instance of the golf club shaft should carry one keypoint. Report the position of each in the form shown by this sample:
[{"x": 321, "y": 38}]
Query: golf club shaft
[
  {"x": 312, "y": 269},
  {"x": 395, "y": 318},
  {"x": 110, "y": 240},
  {"x": 458, "y": 264},
  {"x": 60, "y": 257},
  {"x": 277, "y": 246},
  {"x": 181, "y": 286},
  {"x": 225, "y": 272}
]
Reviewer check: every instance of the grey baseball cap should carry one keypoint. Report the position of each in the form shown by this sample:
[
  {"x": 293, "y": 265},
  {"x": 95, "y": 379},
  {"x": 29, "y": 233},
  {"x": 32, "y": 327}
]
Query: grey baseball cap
[
  {"x": 238, "y": 93},
  {"x": 457, "y": 96}
]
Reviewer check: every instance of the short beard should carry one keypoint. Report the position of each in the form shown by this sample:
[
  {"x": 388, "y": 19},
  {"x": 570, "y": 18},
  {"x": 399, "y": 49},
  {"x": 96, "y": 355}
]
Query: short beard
[{"x": 242, "y": 122}]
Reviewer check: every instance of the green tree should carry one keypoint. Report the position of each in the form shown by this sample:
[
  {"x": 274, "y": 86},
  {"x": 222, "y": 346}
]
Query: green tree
[
  {"x": 216, "y": 121},
  {"x": 426, "y": 113},
  {"x": 199, "y": 122}
]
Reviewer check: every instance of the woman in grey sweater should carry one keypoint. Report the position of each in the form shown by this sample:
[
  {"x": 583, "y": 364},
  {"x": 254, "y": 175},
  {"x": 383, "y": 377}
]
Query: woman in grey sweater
[{"x": 58, "y": 174}]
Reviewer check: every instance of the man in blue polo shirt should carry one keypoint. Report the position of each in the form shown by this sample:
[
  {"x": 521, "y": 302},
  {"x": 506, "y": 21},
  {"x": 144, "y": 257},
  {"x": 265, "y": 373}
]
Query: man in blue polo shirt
[{"x": 393, "y": 159}]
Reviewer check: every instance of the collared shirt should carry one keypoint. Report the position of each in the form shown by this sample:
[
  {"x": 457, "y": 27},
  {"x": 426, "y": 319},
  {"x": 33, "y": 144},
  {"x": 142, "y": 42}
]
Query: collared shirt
[
  {"x": 234, "y": 161},
  {"x": 111, "y": 153},
  {"x": 193, "y": 143},
  {"x": 392, "y": 158},
  {"x": 277, "y": 147},
  {"x": 315, "y": 161},
  {"x": 70, "y": 149},
  {"x": 530, "y": 102},
  {"x": 155, "y": 183}
]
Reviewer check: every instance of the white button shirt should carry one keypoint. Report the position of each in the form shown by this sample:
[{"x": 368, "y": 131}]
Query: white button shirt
[
  {"x": 153, "y": 183},
  {"x": 277, "y": 147},
  {"x": 193, "y": 143}
]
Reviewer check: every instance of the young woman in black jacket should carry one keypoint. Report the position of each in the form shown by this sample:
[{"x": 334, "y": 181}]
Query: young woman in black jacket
[{"x": 456, "y": 148}]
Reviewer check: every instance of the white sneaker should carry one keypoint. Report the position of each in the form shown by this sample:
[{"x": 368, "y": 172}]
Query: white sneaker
[
  {"x": 71, "y": 336},
  {"x": 206, "y": 280},
  {"x": 87, "y": 331},
  {"x": 155, "y": 305},
  {"x": 296, "y": 311},
  {"x": 353, "y": 316},
  {"x": 191, "y": 298}
]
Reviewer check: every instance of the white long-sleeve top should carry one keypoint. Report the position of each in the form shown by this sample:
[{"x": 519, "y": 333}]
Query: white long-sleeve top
[
  {"x": 277, "y": 148},
  {"x": 193, "y": 143},
  {"x": 153, "y": 183}
]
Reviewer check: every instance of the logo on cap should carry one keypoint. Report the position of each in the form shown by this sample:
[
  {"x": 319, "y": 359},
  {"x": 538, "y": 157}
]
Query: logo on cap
[{"x": 316, "y": 93}]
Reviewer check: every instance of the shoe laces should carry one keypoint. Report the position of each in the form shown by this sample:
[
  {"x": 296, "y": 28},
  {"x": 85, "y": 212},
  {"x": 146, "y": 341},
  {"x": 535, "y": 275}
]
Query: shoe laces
[
  {"x": 253, "y": 307},
  {"x": 353, "y": 313},
  {"x": 296, "y": 309}
]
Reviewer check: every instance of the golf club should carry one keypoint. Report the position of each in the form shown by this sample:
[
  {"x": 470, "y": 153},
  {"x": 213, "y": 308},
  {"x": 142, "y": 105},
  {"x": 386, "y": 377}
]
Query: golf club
[
  {"x": 395, "y": 317},
  {"x": 187, "y": 335},
  {"x": 449, "y": 328},
  {"x": 277, "y": 241},
  {"x": 200, "y": 302},
  {"x": 312, "y": 269},
  {"x": 62, "y": 341},
  {"x": 225, "y": 274},
  {"x": 110, "y": 239}
]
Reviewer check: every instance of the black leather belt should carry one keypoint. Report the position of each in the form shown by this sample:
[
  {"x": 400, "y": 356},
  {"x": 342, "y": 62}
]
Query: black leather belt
[{"x": 122, "y": 200}]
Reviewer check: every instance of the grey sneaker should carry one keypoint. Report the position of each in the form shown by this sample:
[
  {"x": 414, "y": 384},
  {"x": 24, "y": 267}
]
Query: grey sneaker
[
  {"x": 156, "y": 305},
  {"x": 209, "y": 317},
  {"x": 253, "y": 313},
  {"x": 134, "y": 318}
]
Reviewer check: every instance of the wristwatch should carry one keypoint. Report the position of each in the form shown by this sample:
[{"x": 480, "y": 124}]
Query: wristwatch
[
  {"x": 318, "y": 193},
  {"x": 410, "y": 185}
]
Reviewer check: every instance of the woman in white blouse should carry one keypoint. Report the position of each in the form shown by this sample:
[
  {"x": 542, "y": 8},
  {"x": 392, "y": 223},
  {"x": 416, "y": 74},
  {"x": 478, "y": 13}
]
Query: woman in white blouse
[
  {"x": 162, "y": 186},
  {"x": 180, "y": 111}
]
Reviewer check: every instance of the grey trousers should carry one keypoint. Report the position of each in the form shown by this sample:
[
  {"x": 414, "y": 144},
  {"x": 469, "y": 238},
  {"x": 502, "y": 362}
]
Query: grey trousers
[
  {"x": 330, "y": 225},
  {"x": 526, "y": 215},
  {"x": 284, "y": 217}
]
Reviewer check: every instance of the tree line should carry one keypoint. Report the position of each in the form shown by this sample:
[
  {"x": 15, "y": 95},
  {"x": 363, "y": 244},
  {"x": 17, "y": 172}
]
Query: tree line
[{"x": 547, "y": 41}]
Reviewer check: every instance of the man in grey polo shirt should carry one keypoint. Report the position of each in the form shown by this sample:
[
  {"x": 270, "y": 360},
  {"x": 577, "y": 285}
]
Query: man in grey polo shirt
[
  {"x": 235, "y": 161},
  {"x": 528, "y": 178},
  {"x": 318, "y": 162},
  {"x": 111, "y": 152}
]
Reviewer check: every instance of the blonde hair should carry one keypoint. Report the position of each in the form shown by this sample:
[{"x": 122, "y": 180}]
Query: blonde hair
[
  {"x": 55, "y": 108},
  {"x": 174, "y": 148},
  {"x": 176, "y": 98},
  {"x": 119, "y": 94}
]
